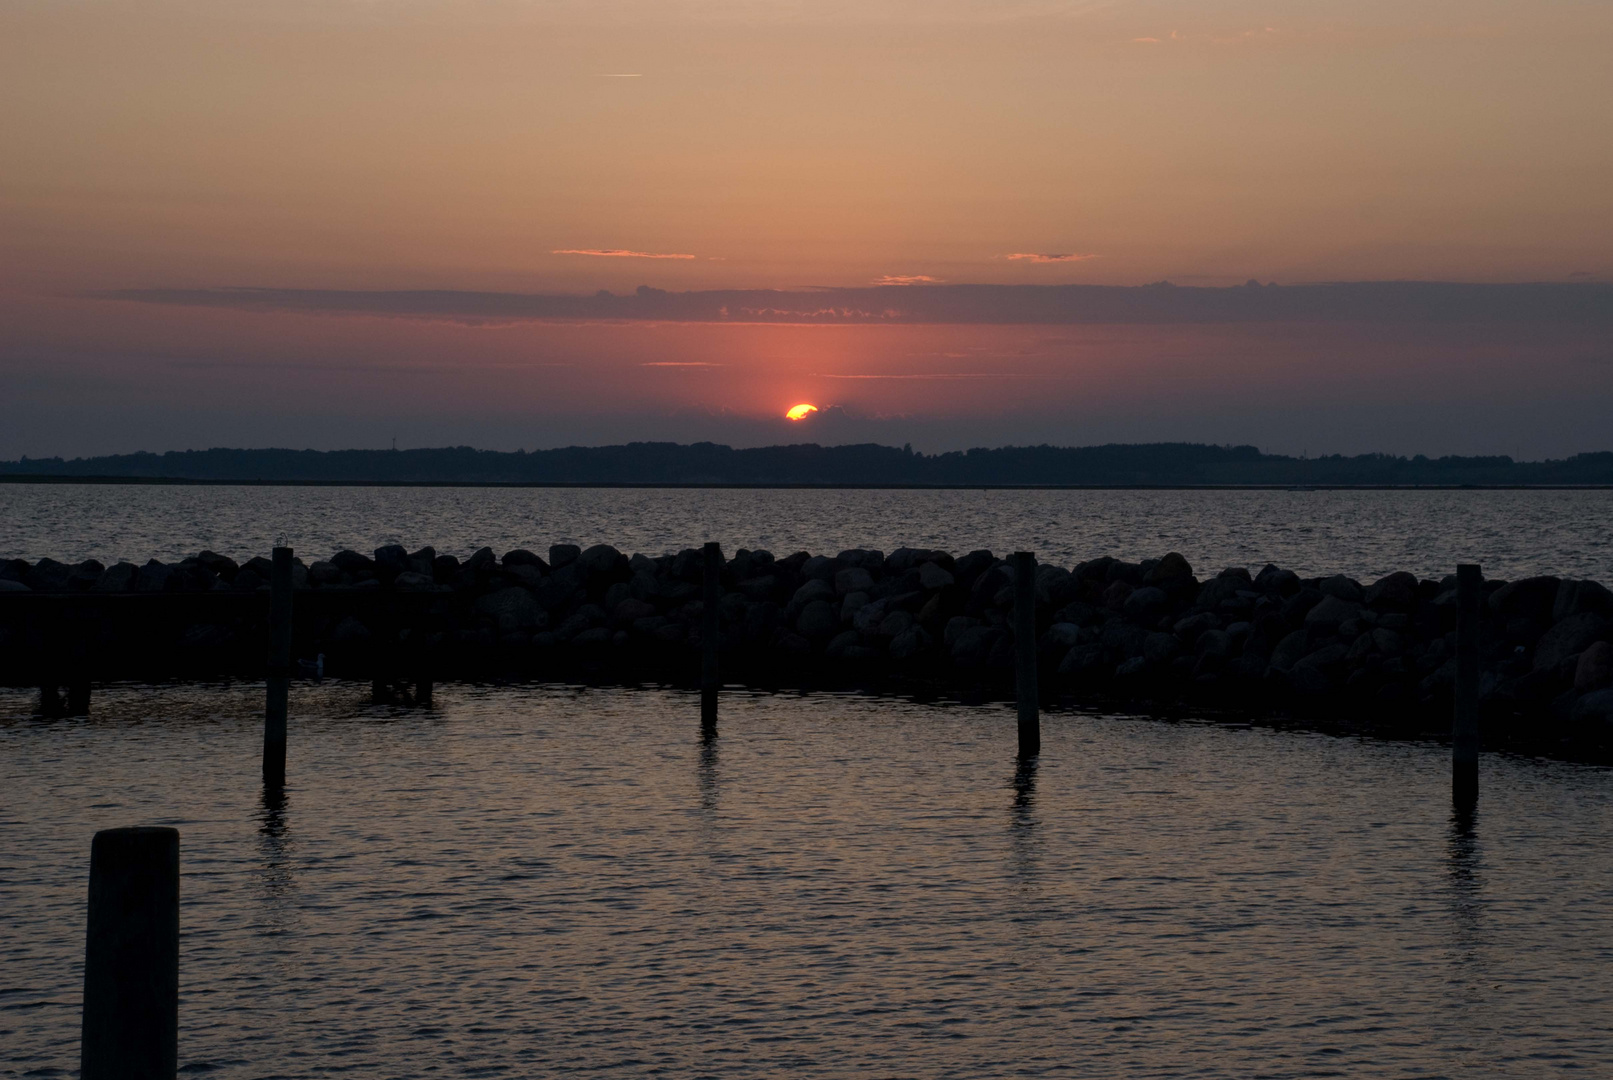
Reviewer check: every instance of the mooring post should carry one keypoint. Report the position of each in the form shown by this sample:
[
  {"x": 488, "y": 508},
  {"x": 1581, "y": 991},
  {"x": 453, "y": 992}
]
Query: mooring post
[
  {"x": 1025, "y": 689},
  {"x": 279, "y": 674},
  {"x": 130, "y": 1029},
  {"x": 1465, "y": 727},
  {"x": 710, "y": 634},
  {"x": 81, "y": 626}
]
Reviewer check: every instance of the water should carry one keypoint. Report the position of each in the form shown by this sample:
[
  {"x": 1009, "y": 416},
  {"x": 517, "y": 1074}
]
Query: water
[
  {"x": 1362, "y": 533},
  {"x": 551, "y": 881}
]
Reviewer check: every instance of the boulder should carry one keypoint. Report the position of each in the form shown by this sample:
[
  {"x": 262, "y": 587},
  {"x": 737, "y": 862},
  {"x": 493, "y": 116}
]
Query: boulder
[
  {"x": 221, "y": 565},
  {"x": 868, "y": 559},
  {"x": 818, "y": 620},
  {"x": 1343, "y": 588},
  {"x": 351, "y": 562},
  {"x": 1396, "y": 592},
  {"x": 813, "y": 591},
  {"x": 153, "y": 577},
  {"x": 512, "y": 608},
  {"x": 1172, "y": 569},
  {"x": 527, "y": 576},
  {"x": 1223, "y": 587},
  {"x": 820, "y": 568},
  {"x": 1330, "y": 612},
  {"x": 955, "y": 627},
  {"x": 1290, "y": 651},
  {"x": 1131, "y": 668},
  {"x": 1578, "y": 597},
  {"x": 350, "y": 632},
  {"x": 1160, "y": 649},
  {"x": 853, "y": 579},
  {"x": 119, "y": 577},
  {"x": 1083, "y": 661},
  {"x": 896, "y": 624},
  {"x": 1595, "y": 708},
  {"x": 1191, "y": 627},
  {"x": 932, "y": 576},
  {"x": 846, "y": 639},
  {"x": 523, "y": 557},
  {"x": 1528, "y": 598},
  {"x": 603, "y": 563},
  {"x": 13, "y": 586},
  {"x": 392, "y": 560},
  {"x": 972, "y": 648},
  {"x": 83, "y": 576},
  {"x": 411, "y": 581},
  {"x": 424, "y": 561},
  {"x": 1274, "y": 581},
  {"x": 563, "y": 555},
  {"x": 48, "y": 575},
  {"x": 1595, "y": 667},
  {"x": 1114, "y": 595},
  {"x": 1062, "y": 636},
  {"x": 914, "y": 641},
  {"x": 867, "y": 618},
  {"x": 1214, "y": 644},
  {"x": 1123, "y": 638},
  {"x": 325, "y": 574},
  {"x": 1569, "y": 638}
]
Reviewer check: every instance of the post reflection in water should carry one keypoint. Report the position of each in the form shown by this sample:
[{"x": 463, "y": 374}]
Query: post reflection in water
[
  {"x": 274, "y": 872},
  {"x": 706, "y": 772},
  {"x": 1023, "y": 838},
  {"x": 1470, "y": 976}
]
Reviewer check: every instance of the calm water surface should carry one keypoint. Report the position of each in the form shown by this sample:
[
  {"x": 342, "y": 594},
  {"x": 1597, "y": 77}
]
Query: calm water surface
[
  {"x": 546, "y": 881},
  {"x": 1363, "y": 533}
]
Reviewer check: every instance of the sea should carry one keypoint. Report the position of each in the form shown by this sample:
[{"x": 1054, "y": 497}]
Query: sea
[{"x": 545, "y": 880}]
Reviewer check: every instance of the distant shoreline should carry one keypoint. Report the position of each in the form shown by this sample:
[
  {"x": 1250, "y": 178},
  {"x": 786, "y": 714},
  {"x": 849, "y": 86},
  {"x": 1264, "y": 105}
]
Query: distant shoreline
[{"x": 179, "y": 481}]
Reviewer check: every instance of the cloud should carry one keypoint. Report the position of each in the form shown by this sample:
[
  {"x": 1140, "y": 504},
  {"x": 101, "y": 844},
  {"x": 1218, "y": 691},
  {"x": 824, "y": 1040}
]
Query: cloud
[
  {"x": 1145, "y": 40},
  {"x": 619, "y": 253},
  {"x": 1055, "y": 257},
  {"x": 679, "y": 363},
  {"x": 1580, "y": 302},
  {"x": 618, "y": 75},
  {"x": 950, "y": 375},
  {"x": 907, "y": 279}
]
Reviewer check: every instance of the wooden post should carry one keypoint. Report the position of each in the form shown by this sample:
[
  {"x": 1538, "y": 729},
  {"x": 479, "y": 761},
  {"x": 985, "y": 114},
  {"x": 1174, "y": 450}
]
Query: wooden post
[
  {"x": 1465, "y": 727},
  {"x": 710, "y": 634},
  {"x": 131, "y": 957},
  {"x": 279, "y": 673},
  {"x": 1025, "y": 689},
  {"x": 81, "y": 629}
]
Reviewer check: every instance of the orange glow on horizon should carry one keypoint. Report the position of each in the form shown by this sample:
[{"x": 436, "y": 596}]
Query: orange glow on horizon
[{"x": 799, "y": 412}]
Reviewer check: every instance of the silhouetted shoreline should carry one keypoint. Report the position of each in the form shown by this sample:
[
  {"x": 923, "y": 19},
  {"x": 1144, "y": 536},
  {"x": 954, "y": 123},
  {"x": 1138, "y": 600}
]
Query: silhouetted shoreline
[{"x": 809, "y": 465}]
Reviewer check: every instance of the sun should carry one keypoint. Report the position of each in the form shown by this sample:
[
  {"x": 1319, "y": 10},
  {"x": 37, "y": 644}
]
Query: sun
[{"x": 799, "y": 412}]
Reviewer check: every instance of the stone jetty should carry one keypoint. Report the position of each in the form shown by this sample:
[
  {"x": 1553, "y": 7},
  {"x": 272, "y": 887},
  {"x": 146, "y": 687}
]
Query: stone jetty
[{"x": 1150, "y": 634}]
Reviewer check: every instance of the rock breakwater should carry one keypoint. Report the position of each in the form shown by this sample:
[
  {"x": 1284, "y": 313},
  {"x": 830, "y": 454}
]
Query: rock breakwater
[{"x": 1154, "y": 632}]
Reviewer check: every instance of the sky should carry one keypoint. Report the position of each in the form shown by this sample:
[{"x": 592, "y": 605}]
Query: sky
[{"x": 341, "y": 223}]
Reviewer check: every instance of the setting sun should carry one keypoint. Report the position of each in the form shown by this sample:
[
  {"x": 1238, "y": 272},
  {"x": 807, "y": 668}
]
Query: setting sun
[{"x": 799, "y": 412}]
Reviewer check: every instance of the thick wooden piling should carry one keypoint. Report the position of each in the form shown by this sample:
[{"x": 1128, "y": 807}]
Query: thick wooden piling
[
  {"x": 710, "y": 634},
  {"x": 279, "y": 673},
  {"x": 1465, "y": 724},
  {"x": 1025, "y": 687},
  {"x": 131, "y": 957}
]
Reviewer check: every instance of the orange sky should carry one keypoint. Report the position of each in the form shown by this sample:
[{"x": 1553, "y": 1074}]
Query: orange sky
[{"x": 362, "y": 144}]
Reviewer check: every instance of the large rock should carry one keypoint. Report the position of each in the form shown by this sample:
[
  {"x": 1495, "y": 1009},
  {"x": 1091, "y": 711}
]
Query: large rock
[
  {"x": 1528, "y": 598},
  {"x": 48, "y": 575},
  {"x": 1123, "y": 638},
  {"x": 813, "y": 591},
  {"x": 523, "y": 557},
  {"x": 932, "y": 576},
  {"x": 563, "y": 555},
  {"x": 1160, "y": 649},
  {"x": 1578, "y": 597},
  {"x": 1275, "y": 581},
  {"x": 1172, "y": 569},
  {"x": 852, "y": 580},
  {"x": 153, "y": 577},
  {"x": 1344, "y": 588},
  {"x": 603, "y": 563},
  {"x": 512, "y": 609},
  {"x": 1595, "y": 667},
  {"x": 12, "y": 585},
  {"x": 1569, "y": 638},
  {"x": 1146, "y": 606},
  {"x": 1330, "y": 612},
  {"x": 914, "y": 641},
  {"x": 1396, "y": 592},
  {"x": 392, "y": 560},
  {"x": 1290, "y": 651},
  {"x": 410, "y": 581},
  {"x": 818, "y": 620},
  {"x": 351, "y": 562},
  {"x": 973, "y": 647},
  {"x": 119, "y": 577},
  {"x": 1595, "y": 708},
  {"x": 1084, "y": 661}
]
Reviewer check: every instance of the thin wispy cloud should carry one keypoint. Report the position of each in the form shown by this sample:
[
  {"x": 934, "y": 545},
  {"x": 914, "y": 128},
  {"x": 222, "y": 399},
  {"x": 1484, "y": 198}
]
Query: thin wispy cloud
[
  {"x": 679, "y": 363},
  {"x": 619, "y": 75},
  {"x": 907, "y": 279},
  {"x": 942, "y": 376},
  {"x": 1049, "y": 257},
  {"x": 620, "y": 253}
]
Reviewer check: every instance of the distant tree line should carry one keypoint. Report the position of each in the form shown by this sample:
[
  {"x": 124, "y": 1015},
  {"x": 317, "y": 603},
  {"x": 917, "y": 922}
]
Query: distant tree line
[{"x": 1113, "y": 465}]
